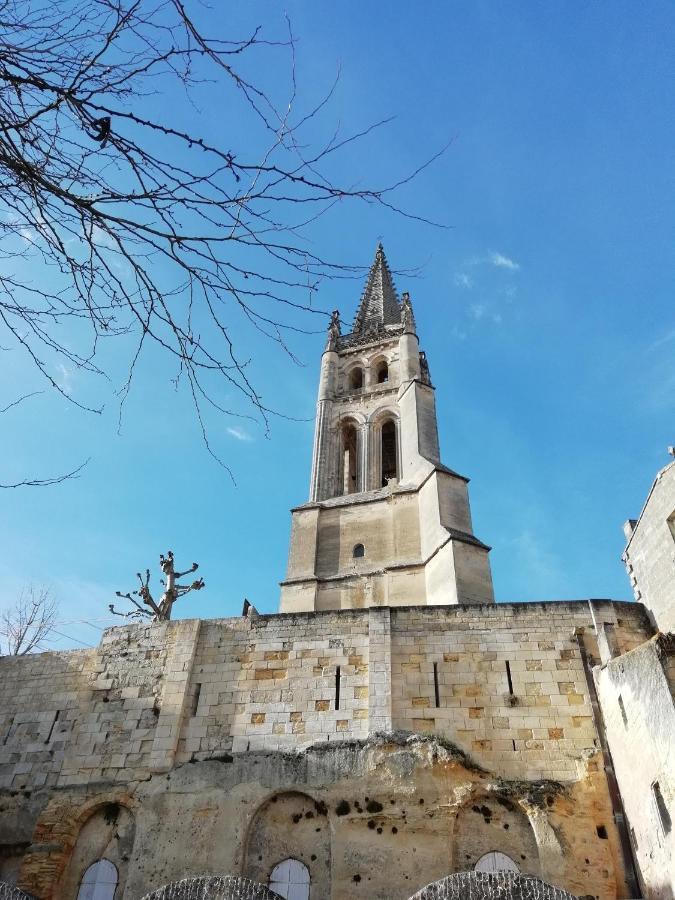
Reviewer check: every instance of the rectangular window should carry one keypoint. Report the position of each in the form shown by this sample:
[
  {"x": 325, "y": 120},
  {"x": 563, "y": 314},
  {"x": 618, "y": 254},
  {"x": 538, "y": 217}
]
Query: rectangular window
[
  {"x": 437, "y": 694},
  {"x": 337, "y": 687},
  {"x": 662, "y": 809}
]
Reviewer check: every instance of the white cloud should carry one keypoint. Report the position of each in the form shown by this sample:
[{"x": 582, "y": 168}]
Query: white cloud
[
  {"x": 64, "y": 379},
  {"x": 664, "y": 339},
  {"x": 239, "y": 434},
  {"x": 503, "y": 262},
  {"x": 462, "y": 280},
  {"x": 477, "y": 310}
]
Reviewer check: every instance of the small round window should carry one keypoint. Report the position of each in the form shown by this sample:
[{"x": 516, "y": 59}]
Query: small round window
[{"x": 359, "y": 551}]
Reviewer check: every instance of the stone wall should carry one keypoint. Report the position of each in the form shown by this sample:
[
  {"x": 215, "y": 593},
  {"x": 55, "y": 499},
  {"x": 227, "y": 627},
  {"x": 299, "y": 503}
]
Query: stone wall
[
  {"x": 650, "y": 552},
  {"x": 190, "y": 730},
  {"x": 371, "y": 820},
  {"x": 636, "y": 693},
  {"x": 154, "y": 696}
]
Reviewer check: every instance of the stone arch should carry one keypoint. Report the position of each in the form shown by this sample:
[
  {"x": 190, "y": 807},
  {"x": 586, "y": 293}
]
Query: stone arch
[
  {"x": 55, "y": 837},
  {"x": 213, "y": 887},
  {"x": 491, "y": 822},
  {"x": 350, "y": 455},
  {"x": 289, "y": 825},
  {"x": 385, "y": 444},
  {"x": 494, "y": 886},
  {"x": 380, "y": 369},
  {"x": 106, "y": 831}
]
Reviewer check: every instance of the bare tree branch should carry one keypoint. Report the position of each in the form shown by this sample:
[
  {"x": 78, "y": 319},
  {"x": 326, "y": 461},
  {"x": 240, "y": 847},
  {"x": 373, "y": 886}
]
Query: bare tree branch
[
  {"x": 119, "y": 220},
  {"x": 25, "y": 626}
]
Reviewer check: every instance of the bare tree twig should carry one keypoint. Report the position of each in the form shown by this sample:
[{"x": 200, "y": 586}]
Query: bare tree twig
[
  {"x": 28, "y": 623},
  {"x": 119, "y": 220}
]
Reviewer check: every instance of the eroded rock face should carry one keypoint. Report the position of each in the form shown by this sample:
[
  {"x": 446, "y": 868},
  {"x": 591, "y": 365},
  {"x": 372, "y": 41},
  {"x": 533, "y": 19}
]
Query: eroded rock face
[
  {"x": 210, "y": 887},
  {"x": 7, "y": 892},
  {"x": 491, "y": 886}
]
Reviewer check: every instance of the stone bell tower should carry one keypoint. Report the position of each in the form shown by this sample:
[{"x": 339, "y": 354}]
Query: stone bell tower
[{"x": 386, "y": 523}]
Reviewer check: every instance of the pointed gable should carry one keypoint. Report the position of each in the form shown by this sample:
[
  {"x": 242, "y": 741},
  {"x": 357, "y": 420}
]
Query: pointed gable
[{"x": 379, "y": 302}]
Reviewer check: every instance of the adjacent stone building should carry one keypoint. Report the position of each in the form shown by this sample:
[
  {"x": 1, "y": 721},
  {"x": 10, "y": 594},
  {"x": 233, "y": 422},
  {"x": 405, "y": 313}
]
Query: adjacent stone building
[{"x": 392, "y": 726}]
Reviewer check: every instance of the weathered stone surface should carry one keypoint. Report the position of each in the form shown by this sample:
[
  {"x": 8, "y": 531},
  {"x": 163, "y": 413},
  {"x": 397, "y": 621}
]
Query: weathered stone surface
[
  {"x": 213, "y": 887},
  {"x": 490, "y": 886}
]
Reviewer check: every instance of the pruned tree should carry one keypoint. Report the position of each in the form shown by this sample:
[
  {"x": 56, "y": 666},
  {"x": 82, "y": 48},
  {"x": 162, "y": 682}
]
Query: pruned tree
[
  {"x": 25, "y": 626},
  {"x": 119, "y": 219},
  {"x": 148, "y": 608}
]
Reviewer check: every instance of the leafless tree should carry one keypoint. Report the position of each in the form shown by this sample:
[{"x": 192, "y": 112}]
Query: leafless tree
[
  {"x": 25, "y": 626},
  {"x": 118, "y": 218},
  {"x": 158, "y": 611}
]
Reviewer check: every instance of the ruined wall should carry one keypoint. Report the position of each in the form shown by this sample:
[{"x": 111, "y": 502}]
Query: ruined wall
[
  {"x": 636, "y": 692},
  {"x": 371, "y": 820},
  {"x": 191, "y": 727}
]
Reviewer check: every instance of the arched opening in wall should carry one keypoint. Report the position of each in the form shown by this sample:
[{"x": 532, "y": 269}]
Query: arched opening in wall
[
  {"x": 99, "y": 882},
  {"x": 356, "y": 379},
  {"x": 359, "y": 551},
  {"x": 290, "y": 879},
  {"x": 494, "y": 861},
  {"x": 382, "y": 373},
  {"x": 98, "y": 865},
  {"x": 492, "y": 833},
  {"x": 388, "y": 453},
  {"x": 349, "y": 481},
  {"x": 290, "y": 828}
]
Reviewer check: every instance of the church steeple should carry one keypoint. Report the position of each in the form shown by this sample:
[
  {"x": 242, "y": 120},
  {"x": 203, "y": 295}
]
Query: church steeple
[
  {"x": 379, "y": 304},
  {"x": 386, "y": 523}
]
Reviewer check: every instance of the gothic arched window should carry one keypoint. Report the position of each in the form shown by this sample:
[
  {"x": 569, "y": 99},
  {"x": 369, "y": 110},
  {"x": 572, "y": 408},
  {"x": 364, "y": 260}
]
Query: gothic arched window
[
  {"x": 99, "y": 881},
  {"x": 495, "y": 861},
  {"x": 290, "y": 879},
  {"x": 388, "y": 452},
  {"x": 382, "y": 373},
  {"x": 349, "y": 481},
  {"x": 356, "y": 379}
]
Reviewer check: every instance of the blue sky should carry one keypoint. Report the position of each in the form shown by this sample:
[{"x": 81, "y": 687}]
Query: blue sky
[{"x": 546, "y": 311}]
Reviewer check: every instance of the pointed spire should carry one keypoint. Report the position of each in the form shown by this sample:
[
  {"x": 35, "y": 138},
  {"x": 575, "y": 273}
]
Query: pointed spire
[{"x": 379, "y": 302}]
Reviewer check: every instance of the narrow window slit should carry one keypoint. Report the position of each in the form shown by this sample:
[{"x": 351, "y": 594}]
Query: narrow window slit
[
  {"x": 514, "y": 743},
  {"x": 337, "y": 687},
  {"x": 623, "y": 712},
  {"x": 8, "y": 732},
  {"x": 508, "y": 677},
  {"x": 195, "y": 699},
  {"x": 662, "y": 809},
  {"x": 53, "y": 726},
  {"x": 436, "y": 691}
]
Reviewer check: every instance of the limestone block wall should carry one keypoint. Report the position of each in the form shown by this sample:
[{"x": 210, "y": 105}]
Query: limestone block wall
[
  {"x": 113, "y": 712},
  {"x": 650, "y": 552},
  {"x": 271, "y": 682},
  {"x": 507, "y": 683},
  {"x": 636, "y": 692},
  {"x": 153, "y": 696}
]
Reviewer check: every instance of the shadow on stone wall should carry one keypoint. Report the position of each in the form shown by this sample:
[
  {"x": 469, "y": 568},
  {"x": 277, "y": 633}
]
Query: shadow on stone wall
[{"x": 491, "y": 886}]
